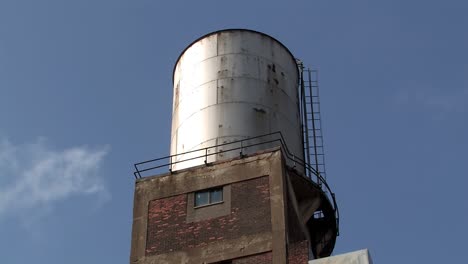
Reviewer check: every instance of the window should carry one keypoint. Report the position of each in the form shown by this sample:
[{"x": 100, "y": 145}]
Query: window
[
  {"x": 209, "y": 196},
  {"x": 318, "y": 214},
  {"x": 208, "y": 203}
]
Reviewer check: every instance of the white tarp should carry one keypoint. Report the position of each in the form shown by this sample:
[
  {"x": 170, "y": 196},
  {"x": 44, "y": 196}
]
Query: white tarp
[{"x": 356, "y": 257}]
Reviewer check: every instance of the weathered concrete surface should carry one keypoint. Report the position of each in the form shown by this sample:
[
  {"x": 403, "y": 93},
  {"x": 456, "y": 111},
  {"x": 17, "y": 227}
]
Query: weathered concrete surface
[
  {"x": 189, "y": 181},
  {"x": 264, "y": 176},
  {"x": 278, "y": 209},
  {"x": 236, "y": 248}
]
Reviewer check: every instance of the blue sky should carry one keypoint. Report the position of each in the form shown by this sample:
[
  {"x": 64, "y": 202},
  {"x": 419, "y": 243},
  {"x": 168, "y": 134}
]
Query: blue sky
[{"x": 85, "y": 91}]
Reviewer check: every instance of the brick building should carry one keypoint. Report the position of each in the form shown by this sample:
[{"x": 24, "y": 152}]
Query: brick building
[{"x": 265, "y": 214}]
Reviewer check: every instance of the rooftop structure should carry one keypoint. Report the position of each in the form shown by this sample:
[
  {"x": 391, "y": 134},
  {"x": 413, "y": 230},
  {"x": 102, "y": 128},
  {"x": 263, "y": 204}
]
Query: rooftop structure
[{"x": 245, "y": 181}]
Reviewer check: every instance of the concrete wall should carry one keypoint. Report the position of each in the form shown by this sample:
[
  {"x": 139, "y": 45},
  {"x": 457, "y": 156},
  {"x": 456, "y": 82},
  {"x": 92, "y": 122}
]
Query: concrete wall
[{"x": 250, "y": 226}]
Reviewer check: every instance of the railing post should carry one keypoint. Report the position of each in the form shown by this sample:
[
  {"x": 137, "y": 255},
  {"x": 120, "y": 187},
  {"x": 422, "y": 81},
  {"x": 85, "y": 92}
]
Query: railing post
[
  {"x": 170, "y": 164},
  {"x": 137, "y": 171},
  {"x": 206, "y": 156},
  {"x": 242, "y": 149}
]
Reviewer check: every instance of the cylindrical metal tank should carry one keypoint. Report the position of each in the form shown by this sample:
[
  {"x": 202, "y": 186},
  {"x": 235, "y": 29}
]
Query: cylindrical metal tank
[{"x": 231, "y": 85}]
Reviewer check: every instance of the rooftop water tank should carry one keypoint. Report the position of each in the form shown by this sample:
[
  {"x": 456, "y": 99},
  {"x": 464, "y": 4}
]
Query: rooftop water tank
[{"x": 231, "y": 85}]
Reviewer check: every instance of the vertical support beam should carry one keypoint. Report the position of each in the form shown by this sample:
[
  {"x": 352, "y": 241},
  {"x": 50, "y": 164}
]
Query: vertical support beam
[
  {"x": 278, "y": 208},
  {"x": 139, "y": 227}
]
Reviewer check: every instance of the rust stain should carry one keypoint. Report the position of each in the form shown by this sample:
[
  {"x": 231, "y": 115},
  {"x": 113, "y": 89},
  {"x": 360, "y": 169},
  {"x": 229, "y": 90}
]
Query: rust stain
[{"x": 259, "y": 110}]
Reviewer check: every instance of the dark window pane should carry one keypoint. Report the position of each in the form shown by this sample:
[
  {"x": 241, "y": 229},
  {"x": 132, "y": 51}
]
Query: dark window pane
[
  {"x": 216, "y": 195},
  {"x": 201, "y": 198}
]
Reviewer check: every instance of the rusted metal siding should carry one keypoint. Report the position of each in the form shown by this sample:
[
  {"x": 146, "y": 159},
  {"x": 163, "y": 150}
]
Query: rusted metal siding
[{"x": 232, "y": 85}]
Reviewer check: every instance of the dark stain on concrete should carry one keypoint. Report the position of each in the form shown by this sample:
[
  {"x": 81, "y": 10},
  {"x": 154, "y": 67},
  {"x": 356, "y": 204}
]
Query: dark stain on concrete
[{"x": 259, "y": 110}]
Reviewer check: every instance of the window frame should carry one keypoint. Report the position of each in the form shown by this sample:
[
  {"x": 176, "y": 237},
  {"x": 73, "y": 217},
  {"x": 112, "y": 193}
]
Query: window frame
[{"x": 210, "y": 192}]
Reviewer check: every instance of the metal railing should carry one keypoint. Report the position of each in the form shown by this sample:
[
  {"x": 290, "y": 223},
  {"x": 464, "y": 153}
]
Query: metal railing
[{"x": 241, "y": 146}]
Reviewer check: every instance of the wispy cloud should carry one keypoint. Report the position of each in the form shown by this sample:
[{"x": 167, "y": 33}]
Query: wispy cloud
[
  {"x": 453, "y": 101},
  {"x": 35, "y": 176}
]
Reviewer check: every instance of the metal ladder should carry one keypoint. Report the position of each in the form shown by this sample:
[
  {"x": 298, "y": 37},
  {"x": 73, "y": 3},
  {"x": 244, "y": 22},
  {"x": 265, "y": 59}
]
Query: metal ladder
[{"x": 312, "y": 121}]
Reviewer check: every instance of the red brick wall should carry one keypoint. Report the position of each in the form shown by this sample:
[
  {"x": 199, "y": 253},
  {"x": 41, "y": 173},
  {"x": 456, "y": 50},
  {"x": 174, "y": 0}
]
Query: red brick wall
[
  {"x": 169, "y": 231},
  {"x": 265, "y": 258},
  {"x": 298, "y": 253}
]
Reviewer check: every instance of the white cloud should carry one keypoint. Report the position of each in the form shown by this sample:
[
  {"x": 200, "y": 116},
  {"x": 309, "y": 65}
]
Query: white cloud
[
  {"x": 453, "y": 101},
  {"x": 35, "y": 176}
]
